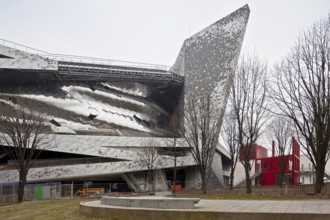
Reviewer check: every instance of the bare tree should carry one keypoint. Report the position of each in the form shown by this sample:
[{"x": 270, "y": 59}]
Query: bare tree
[
  {"x": 174, "y": 127},
  {"x": 23, "y": 135},
  {"x": 248, "y": 100},
  {"x": 149, "y": 159},
  {"x": 172, "y": 151},
  {"x": 229, "y": 134},
  {"x": 281, "y": 130},
  {"x": 201, "y": 131},
  {"x": 302, "y": 91}
]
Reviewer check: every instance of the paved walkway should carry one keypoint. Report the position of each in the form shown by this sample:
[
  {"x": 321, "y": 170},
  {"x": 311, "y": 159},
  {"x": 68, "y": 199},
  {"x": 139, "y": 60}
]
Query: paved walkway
[{"x": 265, "y": 206}]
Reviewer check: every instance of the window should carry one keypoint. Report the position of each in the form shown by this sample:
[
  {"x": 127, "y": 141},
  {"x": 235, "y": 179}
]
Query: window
[
  {"x": 303, "y": 180},
  {"x": 310, "y": 179},
  {"x": 302, "y": 168},
  {"x": 314, "y": 179}
]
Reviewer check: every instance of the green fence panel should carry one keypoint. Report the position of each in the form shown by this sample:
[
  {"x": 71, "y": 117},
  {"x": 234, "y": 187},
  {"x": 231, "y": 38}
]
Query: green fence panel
[{"x": 38, "y": 192}]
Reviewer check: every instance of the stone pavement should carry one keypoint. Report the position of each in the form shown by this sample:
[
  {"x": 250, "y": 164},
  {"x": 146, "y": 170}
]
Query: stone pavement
[
  {"x": 218, "y": 210},
  {"x": 265, "y": 206}
]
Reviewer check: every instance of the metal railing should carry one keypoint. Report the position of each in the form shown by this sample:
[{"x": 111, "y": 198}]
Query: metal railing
[
  {"x": 23, "y": 48},
  {"x": 87, "y": 70},
  {"x": 307, "y": 169},
  {"x": 81, "y": 59}
]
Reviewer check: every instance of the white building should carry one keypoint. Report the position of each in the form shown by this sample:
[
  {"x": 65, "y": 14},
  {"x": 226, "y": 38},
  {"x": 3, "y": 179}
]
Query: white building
[{"x": 307, "y": 171}]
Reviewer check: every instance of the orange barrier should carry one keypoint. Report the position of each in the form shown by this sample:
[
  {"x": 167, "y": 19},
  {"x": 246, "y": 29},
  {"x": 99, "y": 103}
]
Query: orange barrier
[
  {"x": 176, "y": 187},
  {"x": 89, "y": 191}
]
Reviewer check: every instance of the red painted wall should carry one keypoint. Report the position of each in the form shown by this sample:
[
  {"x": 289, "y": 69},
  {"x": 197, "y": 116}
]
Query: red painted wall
[
  {"x": 270, "y": 166},
  {"x": 257, "y": 152}
]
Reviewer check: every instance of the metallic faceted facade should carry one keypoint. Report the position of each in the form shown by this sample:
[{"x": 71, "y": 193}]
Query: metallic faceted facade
[{"x": 205, "y": 65}]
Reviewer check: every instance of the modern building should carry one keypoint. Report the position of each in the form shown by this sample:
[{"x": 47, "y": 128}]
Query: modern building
[
  {"x": 266, "y": 170},
  {"x": 307, "y": 171},
  {"x": 270, "y": 167},
  {"x": 106, "y": 115}
]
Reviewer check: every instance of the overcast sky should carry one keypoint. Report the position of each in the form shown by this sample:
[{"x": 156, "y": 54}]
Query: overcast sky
[{"x": 150, "y": 31}]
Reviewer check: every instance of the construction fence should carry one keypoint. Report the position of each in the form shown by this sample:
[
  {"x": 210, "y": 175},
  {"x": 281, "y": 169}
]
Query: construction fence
[
  {"x": 57, "y": 190},
  {"x": 8, "y": 192},
  {"x": 294, "y": 190}
]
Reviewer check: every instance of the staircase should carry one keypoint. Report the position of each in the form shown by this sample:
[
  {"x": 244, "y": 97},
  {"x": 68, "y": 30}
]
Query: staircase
[
  {"x": 128, "y": 180},
  {"x": 243, "y": 182}
]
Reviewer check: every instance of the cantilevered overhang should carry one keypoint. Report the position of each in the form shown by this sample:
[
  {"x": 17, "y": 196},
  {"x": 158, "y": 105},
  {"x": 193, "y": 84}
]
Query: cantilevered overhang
[{"x": 42, "y": 66}]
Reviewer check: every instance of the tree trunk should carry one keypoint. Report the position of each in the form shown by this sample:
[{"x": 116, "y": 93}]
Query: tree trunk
[
  {"x": 248, "y": 186},
  {"x": 282, "y": 168},
  {"x": 231, "y": 181},
  {"x": 203, "y": 178},
  {"x": 204, "y": 190},
  {"x": 174, "y": 176},
  {"x": 281, "y": 178},
  {"x": 21, "y": 185},
  {"x": 150, "y": 181},
  {"x": 248, "y": 179},
  {"x": 174, "y": 173},
  {"x": 319, "y": 182}
]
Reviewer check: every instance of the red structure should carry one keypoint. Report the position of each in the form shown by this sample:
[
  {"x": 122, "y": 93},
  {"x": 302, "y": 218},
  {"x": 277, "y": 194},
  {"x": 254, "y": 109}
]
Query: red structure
[
  {"x": 267, "y": 169},
  {"x": 257, "y": 152}
]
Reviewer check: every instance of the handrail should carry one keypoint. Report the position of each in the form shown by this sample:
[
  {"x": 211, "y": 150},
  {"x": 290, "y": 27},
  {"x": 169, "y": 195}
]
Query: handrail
[
  {"x": 103, "y": 61},
  {"x": 81, "y": 59}
]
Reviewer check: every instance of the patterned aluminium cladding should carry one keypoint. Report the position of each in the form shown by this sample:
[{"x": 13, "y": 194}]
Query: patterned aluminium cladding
[
  {"x": 17, "y": 59},
  {"x": 207, "y": 60}
]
